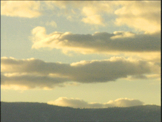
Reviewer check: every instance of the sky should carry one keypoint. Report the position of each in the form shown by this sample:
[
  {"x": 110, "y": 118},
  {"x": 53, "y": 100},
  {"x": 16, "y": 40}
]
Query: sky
[{"x": 81, "y": 54}]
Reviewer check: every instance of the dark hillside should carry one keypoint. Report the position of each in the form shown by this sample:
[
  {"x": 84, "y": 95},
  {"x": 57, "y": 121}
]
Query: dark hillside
[{"x": 41, "y": 112}]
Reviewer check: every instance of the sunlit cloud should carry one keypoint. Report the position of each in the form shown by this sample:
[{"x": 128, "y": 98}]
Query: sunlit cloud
[
  {"x": 79, "y": 103},
  {"x": 141, "y": 15},
  {"x": 91, "y": 16},
  {"x": 27, "y": 9},
  {"x": 83, "y": 11}
]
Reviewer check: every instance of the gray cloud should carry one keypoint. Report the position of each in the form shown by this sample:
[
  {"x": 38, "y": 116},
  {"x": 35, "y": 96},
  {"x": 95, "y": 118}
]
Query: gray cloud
[
  {"x": 32, "y": 81},
  {"x": 78, "y": 103},
  {"x": 37, "y": 73},
  {"x": 100, "y": 42}
]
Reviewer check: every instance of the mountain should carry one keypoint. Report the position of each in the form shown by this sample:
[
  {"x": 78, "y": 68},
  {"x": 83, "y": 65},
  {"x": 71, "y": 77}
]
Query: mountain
[{"x": 42, "y": 112}]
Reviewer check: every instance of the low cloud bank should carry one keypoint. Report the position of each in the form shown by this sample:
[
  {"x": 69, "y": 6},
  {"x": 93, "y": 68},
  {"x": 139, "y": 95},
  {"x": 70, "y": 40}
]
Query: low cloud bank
[{"x": 78, "y": 103}]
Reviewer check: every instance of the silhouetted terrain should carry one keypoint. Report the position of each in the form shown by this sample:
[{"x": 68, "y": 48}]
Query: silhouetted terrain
[{"x": 41, "y": 112}]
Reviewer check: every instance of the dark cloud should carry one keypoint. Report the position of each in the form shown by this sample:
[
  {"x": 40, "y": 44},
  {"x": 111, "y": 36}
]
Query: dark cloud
[
  {"x": 32, "y": 81},
  {"x": 37, "y": 73}
]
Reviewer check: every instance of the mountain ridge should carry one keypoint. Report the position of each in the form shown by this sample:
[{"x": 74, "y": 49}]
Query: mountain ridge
[{"x": 43, "y": 112}]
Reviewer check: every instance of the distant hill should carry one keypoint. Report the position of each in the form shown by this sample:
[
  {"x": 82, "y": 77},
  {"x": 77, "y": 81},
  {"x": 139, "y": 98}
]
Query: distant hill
[{"x": 41, "y": 112}]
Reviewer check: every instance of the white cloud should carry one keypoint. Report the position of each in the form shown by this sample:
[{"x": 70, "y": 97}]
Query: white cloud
[
  {"x": 99, "y": 42},
  {"x": 78, "y": 103},
  {"x": 34, "y": 73},
  {"x": 27, "y": 9}
]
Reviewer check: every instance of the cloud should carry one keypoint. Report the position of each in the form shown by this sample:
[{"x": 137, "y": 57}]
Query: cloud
[
  {"x": 124, "y": 102},
  {"x": 88, "y": 11},
  {"x": 27, "y": 9},
  {"x": 148, "y": 77},
  {"x": 34, "y": 73},
  {"x": 141, "y": 15},
  {"x": 92, "y": 17},
  {"x": 99, "y": 42},
  {"x": 51, "y": 23},
  {"x": 30, "y": 81},
  {"x": 78, "y": 103}
]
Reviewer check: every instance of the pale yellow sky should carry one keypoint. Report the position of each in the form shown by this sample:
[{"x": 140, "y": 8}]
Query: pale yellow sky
[{"x": 89, "y": 54}]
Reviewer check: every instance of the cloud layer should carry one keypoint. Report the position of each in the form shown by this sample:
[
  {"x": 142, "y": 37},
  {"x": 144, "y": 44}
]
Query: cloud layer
[
  {"x": 34, "y": 73},
  {"x": 78, "y": 103},
  {"x": 99, "y": 42},
  {"x": 140, "y": 15}
]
